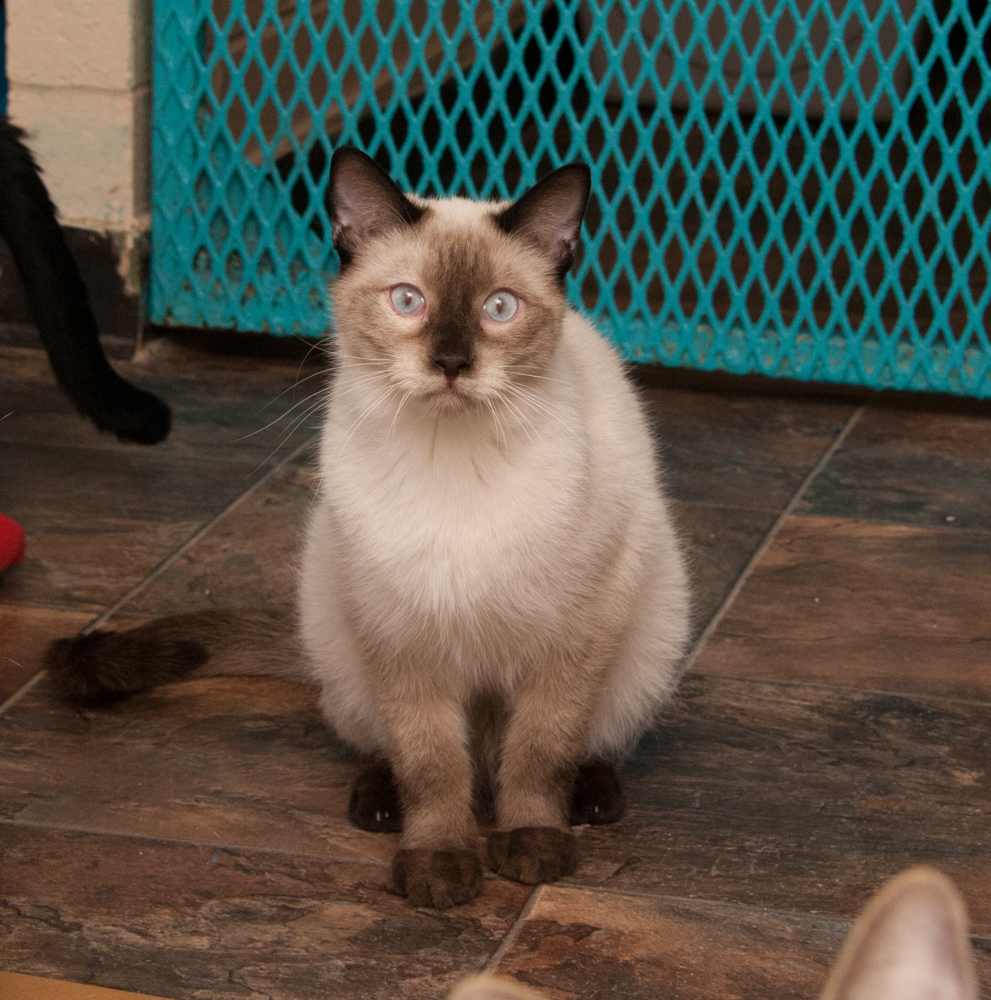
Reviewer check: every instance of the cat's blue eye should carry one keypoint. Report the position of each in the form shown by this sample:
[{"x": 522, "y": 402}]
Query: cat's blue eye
[
  {"x": 407, "y": 300},
  {"x": 501, "y": 306}
]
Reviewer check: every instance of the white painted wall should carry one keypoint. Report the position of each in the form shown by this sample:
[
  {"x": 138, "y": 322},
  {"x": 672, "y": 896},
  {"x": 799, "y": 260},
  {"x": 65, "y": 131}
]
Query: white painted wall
[{"x": 80, "y": 85}]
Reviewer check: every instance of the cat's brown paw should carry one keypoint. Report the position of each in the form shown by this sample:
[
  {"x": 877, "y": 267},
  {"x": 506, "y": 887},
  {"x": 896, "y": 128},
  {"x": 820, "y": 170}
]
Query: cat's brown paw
[
  {"x": 533, "y": 853},
  {"x": 375, "y": 801},
  {"x": 440, "y": 879},
  {"x": 597, "y": 796}
]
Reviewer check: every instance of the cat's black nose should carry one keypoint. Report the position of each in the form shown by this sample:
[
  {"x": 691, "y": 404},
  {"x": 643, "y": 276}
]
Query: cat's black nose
[{"x": 452, "y": 365}]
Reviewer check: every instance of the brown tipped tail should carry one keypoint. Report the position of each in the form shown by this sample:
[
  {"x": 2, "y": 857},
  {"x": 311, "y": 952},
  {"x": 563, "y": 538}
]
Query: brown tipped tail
[{"x": 106, "y": 666}]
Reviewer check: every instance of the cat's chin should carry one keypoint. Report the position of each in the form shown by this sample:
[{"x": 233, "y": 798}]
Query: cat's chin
[{"x": 451, "y": 399}]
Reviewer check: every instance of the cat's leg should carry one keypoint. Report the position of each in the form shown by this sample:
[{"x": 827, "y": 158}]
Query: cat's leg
[
  {"x": 544, "y": 744},
  {"x": 437, "y": 863},
  {"x": 60, "y": 303}
]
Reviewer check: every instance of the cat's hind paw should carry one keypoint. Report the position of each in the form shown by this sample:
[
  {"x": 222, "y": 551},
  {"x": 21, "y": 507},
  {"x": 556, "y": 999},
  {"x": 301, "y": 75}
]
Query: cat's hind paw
[
  {"x": 533, "y": 854},
  {"x": 439, "y": 879},
  {"x": 375, "y": 803},
  {"x": 597, "y": 796}
]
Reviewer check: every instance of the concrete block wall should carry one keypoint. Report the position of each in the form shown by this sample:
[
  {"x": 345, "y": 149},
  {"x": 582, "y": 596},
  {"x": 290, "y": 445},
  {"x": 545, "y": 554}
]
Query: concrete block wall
[{"x": 79, "y": 75}]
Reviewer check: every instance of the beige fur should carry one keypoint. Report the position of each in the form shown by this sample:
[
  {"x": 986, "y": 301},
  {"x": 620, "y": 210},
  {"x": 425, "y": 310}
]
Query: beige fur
[
  {"x": 910, "y": 943},
  {"x": 507, "y": 540},
  {"x": 492, "y": 595}
]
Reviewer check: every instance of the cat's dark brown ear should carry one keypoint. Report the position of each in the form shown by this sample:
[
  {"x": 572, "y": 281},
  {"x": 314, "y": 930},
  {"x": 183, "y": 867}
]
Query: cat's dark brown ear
[
  {"x": 550, "y": 214},
  {"x": 364, "y": 202}
]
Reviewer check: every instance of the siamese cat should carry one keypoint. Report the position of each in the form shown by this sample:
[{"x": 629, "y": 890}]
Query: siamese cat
[
  {"x": 492, "y": 597},
  {"x": 60, "y": 305},
  {"x": 910, "y": 943}
]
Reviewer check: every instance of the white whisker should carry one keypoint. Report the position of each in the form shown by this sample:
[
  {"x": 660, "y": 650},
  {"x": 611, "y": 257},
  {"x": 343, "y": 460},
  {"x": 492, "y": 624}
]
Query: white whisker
[
  {"x": 547, "y": 378},
  {"x": 536, "y": 403},
  {"x": 359, "y": 420},
  {"x": 272, "y": 423},
  {"x": 299, "y": 381},
  {"x": 498, "y": 425},
  {"x": 521, "y": 419},
  {"x": 285, "y": 437},
  {"x": 402, "y": 403}
]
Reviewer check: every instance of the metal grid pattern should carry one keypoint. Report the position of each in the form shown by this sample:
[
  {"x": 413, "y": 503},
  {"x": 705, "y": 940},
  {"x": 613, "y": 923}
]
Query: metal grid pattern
[{"x": 790, "y": 187}]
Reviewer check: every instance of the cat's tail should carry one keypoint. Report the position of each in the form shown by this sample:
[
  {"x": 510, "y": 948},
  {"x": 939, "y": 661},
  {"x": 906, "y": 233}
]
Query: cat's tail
[
  {"x": 60, "y": 304},
  {"x": 101, "y": 666}
]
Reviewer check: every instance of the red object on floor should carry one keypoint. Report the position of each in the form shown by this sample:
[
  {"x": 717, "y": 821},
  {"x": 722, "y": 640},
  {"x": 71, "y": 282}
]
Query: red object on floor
[{"x": 11, "y": 543}]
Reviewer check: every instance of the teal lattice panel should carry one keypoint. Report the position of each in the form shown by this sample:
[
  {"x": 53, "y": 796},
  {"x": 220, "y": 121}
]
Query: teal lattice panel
[{"x": 790, "y": 187}]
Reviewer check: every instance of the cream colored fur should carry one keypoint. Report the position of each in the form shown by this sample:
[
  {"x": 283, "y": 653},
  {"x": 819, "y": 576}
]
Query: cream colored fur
[
  {"x": 506, "y": 538},
  {"x": 460, "y": 545}
]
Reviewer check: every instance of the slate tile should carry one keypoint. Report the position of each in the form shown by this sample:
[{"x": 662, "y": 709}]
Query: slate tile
[
  {"x": 24, "y": 636},
  {"x": 866, "y": 605},
  {"x": 800, "y": 798},
  {"x": 224, "y": 407},
  {"x": 248, "y": 559},
  {"x": 748, "y": 452},
  {"x": 718, "y": 542},
  {"x": 244, "y": 761},
  {"x": 195, "y": 922},
  {"x": 900, "y": 467},
  {"x": 99, "y": 521},
  {"x": 577, "y": 943},
  {"x": 88, "y": 570}
]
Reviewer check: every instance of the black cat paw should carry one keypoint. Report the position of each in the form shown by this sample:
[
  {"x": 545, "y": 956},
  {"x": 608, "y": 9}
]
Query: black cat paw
[
  {"x": 597, "y": 796},
  {"x": 129, "y": 412},
  {"x": 375, "y": 804},
  {"x": 439, "y": 879},
  {"x": 533, "y": 854}
]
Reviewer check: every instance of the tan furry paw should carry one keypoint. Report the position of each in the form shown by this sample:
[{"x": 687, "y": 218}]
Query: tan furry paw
[
  {"x": 440, "y": 879},
  {"x": 533, "y": 854}
]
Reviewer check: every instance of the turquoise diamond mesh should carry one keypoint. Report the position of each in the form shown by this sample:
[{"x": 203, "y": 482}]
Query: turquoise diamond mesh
[{"x": 791, "y": 187}]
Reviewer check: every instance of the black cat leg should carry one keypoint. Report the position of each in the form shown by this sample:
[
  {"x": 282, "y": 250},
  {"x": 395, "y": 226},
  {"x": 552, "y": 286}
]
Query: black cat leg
[
  {"x": 60, "y": 303},
  {"x": 375, "y": 804},
  {"x": 597, "y": 796}
]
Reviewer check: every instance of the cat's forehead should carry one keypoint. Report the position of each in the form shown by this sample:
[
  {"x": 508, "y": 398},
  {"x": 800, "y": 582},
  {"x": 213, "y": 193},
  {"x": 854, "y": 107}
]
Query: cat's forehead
[
  {"x": 456, "y": 212},
  {"x": 456, "y": 246}
]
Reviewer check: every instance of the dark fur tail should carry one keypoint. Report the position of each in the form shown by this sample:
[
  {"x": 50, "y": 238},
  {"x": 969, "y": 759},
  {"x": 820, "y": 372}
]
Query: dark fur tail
[
  {"x": 60, "y": 304},
  {"x": 103, "y": 666}
]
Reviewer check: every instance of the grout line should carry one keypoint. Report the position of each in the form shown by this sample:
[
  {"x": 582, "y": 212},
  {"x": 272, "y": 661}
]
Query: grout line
[
  {"x": 741, "y": 580},
  {"x": 511, "y": 935},
  {"x": 192, "y": 540},
  {"x": 707, "y": 902},
  {"x": 21, "y": 691},
  {"x": 513, "y": 932},
  {"x": 734, "y": 904},
  {"x": 97, "y": 832},
  {"x": 844, "y": 689}
]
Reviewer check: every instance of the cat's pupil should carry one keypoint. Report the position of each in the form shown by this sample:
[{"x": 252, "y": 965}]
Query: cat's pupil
[
  {"x": 406, "y": 299},
  {"x": 501, "y": 306}
]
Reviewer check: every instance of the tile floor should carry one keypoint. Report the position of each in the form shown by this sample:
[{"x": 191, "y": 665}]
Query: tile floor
[{"x": 835, "y": 725}]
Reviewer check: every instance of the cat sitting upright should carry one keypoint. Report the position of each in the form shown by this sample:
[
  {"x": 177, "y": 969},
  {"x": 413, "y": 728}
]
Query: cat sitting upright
[{"x": 492, "y": 597}]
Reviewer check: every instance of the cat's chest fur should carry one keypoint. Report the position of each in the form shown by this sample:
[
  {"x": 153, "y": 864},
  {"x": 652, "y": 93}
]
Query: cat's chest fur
[{"x": 473, "y": 520}]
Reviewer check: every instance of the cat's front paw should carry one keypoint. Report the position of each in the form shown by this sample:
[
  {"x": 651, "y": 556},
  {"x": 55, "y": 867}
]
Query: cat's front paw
[
  {"x": 533, "y": 853},
  {"x": 440, "y": 879}
]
